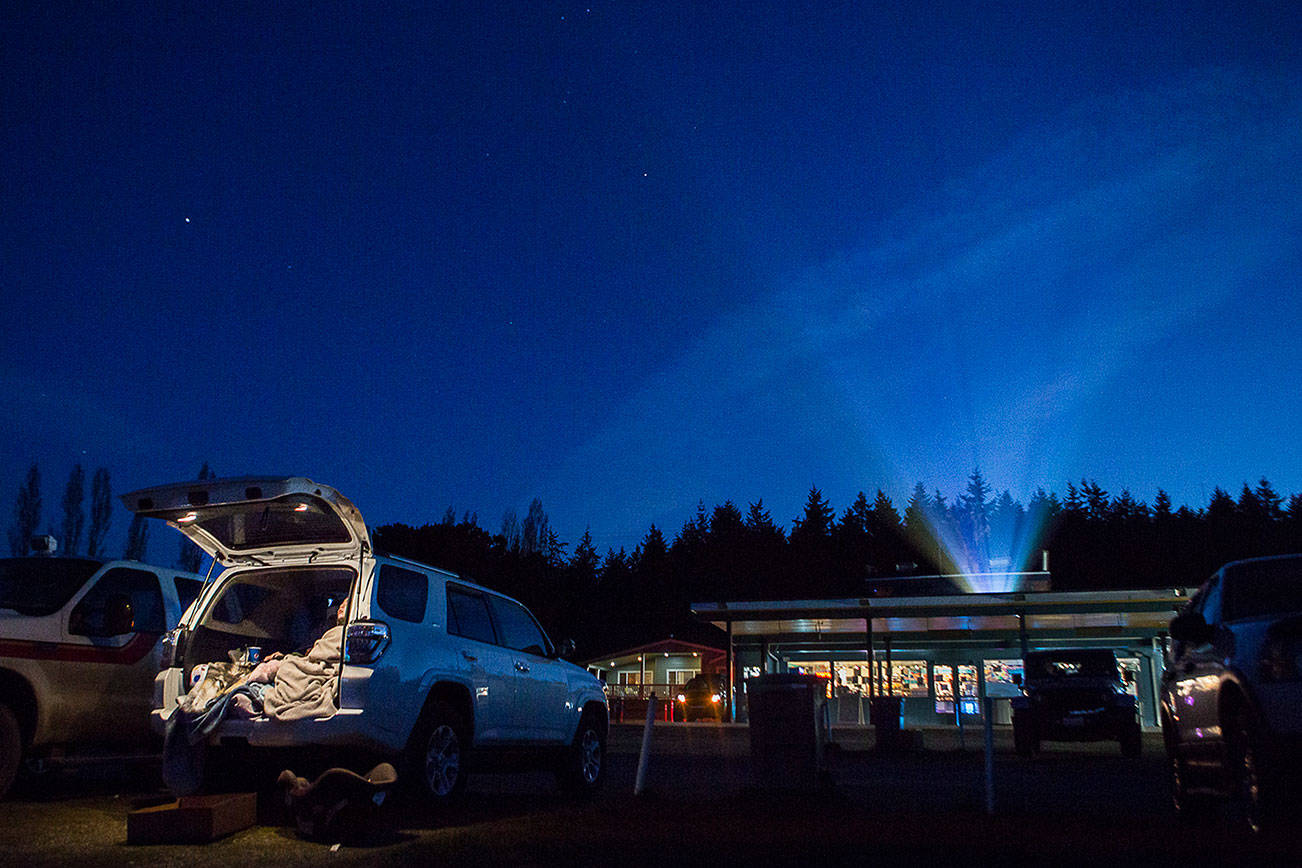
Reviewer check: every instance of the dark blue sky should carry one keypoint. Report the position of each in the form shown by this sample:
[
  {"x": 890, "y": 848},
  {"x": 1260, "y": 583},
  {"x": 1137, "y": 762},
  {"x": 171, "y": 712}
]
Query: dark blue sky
[{"x": 625, "y": 257}]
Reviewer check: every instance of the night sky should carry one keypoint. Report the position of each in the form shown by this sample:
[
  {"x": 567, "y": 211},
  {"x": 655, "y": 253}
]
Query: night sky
[{"x": 629, "y": 257}]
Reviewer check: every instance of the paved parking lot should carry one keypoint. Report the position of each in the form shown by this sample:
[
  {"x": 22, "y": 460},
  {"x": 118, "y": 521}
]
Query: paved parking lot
[{"x": 1071, "y": 805}]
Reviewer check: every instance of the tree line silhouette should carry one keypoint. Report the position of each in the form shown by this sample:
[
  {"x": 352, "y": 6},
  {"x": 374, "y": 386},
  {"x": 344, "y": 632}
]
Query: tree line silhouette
[{"x": 1097, "y": 541}]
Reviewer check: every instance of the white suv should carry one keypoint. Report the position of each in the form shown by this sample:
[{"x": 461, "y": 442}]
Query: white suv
[{"x": 437, "y": 670}]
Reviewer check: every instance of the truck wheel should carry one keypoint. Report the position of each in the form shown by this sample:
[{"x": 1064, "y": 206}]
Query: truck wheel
[
  {"x": 1132, "y": 741},
  {"x": 436, "y": 760},
  {"x": 580, "y": 771},
  {"x": 11, "y": 748}
]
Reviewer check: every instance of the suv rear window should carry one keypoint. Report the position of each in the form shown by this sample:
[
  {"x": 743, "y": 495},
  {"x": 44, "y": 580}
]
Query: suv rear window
[
  {"x": 403, "y": 593},
  {"x": 42, "y": 586},
  {"x": 1071, "y": 666},
  {"x": 297, "y": 519}
]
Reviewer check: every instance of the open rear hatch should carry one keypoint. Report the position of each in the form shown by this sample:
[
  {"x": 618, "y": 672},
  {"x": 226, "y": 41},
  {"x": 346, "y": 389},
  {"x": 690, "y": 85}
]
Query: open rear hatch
[{"x": 259, "y": 520}]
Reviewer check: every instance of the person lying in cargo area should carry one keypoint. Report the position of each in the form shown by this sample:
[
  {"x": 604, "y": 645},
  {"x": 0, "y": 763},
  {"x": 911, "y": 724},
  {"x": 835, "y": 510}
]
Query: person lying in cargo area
[{"x": 282, "y": 687}]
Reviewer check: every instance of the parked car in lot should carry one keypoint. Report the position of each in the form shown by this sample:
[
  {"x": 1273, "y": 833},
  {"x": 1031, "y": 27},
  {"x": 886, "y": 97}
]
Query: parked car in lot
[
  {"x": 1075, "y": 694},
  {"x": 79, "y": 649},
  {"x": 430, "y": 670},
  {"x": 1232, "y": 691},
  {"x": 703, "y": 696}
]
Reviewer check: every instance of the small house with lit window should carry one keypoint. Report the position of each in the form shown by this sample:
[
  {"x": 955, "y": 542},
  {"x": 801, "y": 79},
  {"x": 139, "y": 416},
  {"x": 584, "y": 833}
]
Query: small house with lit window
[{"x": 659, "y": 667}]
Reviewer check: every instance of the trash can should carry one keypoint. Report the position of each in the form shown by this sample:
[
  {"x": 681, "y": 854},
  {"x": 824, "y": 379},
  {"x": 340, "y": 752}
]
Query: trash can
[
  {"x": 884, "y": 715},
  {"x": 788, "y": 730}
]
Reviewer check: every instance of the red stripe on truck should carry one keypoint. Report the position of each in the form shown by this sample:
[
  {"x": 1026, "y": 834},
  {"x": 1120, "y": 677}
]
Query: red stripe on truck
[{"x": 126, "y": 655}]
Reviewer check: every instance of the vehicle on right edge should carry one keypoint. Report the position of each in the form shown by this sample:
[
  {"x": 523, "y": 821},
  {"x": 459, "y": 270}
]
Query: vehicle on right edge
[{"x": 1232, "y": 692}]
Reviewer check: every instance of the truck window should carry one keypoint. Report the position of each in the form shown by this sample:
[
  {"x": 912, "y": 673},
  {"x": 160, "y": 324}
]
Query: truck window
[
  {"x": 140, "y": 587},
  {"x": 42, "y": 586}
]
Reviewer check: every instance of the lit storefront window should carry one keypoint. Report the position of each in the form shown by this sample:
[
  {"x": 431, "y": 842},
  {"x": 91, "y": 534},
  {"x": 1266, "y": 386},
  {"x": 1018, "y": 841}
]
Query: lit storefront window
[{"x": 999, "y": 677}]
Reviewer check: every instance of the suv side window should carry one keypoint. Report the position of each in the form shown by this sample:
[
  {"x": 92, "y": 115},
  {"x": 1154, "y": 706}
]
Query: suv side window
[
  {"x": 403, "y": 593},
  {"x": 97, "y": 613},
  {"x": 468, "y": 615},
  {"x": 517, "y": 627}
]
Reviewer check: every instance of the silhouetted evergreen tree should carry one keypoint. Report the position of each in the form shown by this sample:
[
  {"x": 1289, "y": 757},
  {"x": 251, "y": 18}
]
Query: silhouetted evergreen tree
[
  {"x": 811, "y": 549},
  {"x": 74, "y": 516},
  {"x": 101, "y": 512},
  {"x": 137, "y": 548},
  {"x": 27, "y": 513}
]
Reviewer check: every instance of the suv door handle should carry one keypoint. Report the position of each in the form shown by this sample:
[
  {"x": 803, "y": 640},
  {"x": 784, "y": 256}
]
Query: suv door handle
[
  {"x": 521, "y": 667},
  {"x": 468, "y": 655}
]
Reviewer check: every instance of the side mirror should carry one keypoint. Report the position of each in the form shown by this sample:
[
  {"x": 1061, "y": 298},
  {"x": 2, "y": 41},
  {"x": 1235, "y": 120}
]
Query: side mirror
[
  {"x": 1190, "y": 627},
  {"x": 566, "y": 648}
]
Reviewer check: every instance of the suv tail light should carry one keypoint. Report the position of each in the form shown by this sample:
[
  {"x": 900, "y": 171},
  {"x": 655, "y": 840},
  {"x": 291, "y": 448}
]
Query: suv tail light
[{"x": 366, "y": 641}]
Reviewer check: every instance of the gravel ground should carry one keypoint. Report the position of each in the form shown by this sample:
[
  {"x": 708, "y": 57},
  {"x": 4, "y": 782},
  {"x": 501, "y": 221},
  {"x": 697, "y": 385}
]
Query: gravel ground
[{"x": 1073, "y": 804}]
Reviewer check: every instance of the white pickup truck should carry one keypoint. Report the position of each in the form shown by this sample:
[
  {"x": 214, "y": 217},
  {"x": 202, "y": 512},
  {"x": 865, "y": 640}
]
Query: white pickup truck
[{"x": 79, "y": 649}]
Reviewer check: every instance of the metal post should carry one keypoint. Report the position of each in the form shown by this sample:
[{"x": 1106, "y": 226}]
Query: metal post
[
  {"x": 988, "y": 711},
  {"x": 639, "y": 783},
  {"x": 732, "y": 680},
  {"x": 890, "y": 673},
  {"x": 872, "y": 668}
]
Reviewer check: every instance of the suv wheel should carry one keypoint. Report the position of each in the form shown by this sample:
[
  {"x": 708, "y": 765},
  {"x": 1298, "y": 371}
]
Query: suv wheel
[
  {"x": 580, "y": 771},
  {"x": 437, "y": 756},
  {"x": 1189, "y": 806},
  {"x": 1252, "y": 793},
  {"x": 11, "y": 748}
]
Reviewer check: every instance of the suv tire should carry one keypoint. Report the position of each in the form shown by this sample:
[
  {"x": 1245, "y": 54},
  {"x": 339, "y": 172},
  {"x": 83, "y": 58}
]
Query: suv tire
[
  {"x": 11, "y": 748},
  {"x": 436, "y": 760},
  {"x": 581, "y": 769},
  {"x": 1253, "y": 795}
]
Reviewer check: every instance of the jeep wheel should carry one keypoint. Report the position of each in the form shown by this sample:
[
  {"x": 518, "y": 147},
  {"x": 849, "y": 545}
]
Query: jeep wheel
[
  {"x": 580, "y": 771},
  {"x": 1025, "y": 740},
  {"x": 11, "y": 748},
  {"x": 437, "y": 756},
  {"x": 1132, "y": 741}
]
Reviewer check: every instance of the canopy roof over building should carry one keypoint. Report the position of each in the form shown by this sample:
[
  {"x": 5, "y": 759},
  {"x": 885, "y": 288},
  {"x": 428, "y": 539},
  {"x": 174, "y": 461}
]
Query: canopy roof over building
[{"x": 996, "y": 620}]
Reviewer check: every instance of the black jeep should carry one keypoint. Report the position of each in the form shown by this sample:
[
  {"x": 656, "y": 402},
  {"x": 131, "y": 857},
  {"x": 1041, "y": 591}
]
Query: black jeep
[{"x": 1074, "y": 694}]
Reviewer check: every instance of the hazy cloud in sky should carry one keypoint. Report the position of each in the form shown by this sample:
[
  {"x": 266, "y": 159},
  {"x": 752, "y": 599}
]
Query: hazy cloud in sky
[{"x": 991, "y": 327}]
